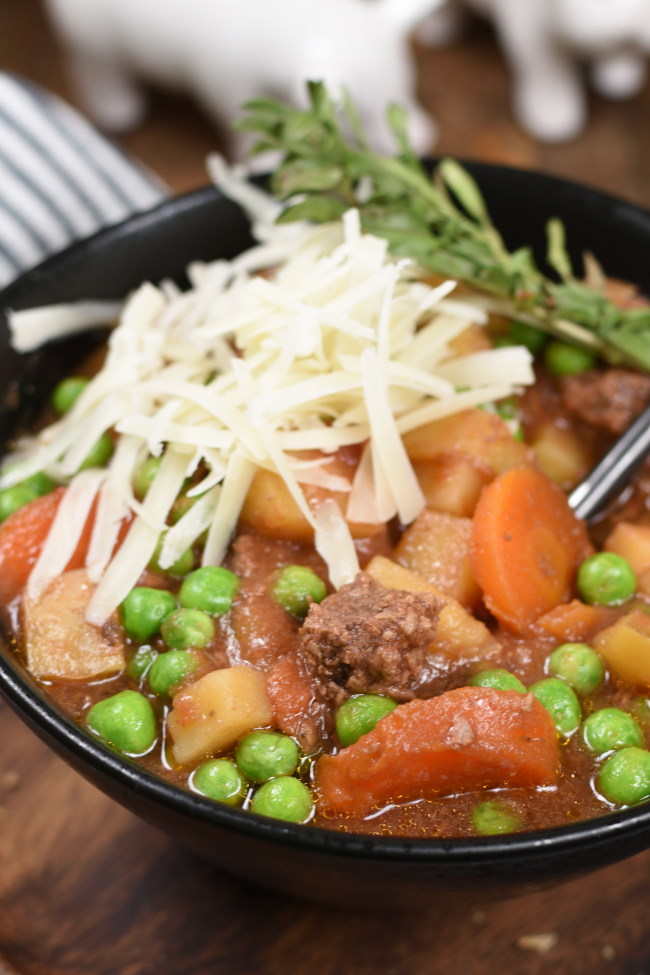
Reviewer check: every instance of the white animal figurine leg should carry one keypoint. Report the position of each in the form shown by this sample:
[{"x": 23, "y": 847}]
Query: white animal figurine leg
[
  {"x": 613, "y": 35},
  {"x": 548, "y": 96},
  {"x": 106, "y": 92},
  {"x": 545, "y": 42},
  {"x": 620, "y": 74},
  {"x": 443, "y": 25}
]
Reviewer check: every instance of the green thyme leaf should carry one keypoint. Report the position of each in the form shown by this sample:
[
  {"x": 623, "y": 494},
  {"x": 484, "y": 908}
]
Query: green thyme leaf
[
  {"x": 466, "y": 190},
  {"x": 398, "y": 123},
  {"x": 439, "y": 220},
  {"x": 320, "y": 209},
  {"x": 306, "y": 175},
  {"x": 557, "y": 254}
]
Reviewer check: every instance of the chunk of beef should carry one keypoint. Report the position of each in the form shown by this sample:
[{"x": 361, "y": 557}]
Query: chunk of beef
[
  {"x": 366, "y": 638},
  {"x": 608, "y": 400}
]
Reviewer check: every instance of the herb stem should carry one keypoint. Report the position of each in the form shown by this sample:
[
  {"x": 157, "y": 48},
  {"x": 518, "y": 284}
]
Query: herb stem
[{"x": 442, "y": 221}]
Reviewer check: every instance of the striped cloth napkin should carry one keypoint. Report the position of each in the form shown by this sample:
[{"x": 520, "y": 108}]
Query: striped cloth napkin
[{"x": 60, "y": 180}]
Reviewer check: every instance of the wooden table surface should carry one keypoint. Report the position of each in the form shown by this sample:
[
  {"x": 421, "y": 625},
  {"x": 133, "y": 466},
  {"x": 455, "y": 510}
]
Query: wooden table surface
[{"x": 88, "y": 889}]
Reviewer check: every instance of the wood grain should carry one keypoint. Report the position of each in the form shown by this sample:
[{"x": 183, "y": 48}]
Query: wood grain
[{"x": 87, "y": 889}]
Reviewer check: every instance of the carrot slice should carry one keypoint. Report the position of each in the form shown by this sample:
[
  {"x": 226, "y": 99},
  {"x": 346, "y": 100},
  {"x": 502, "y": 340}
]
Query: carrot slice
[
  {"x": 296, "y": 711},
  {"x": 465, "y": 740},
  {"x": 22, "y": 536},
  {"x": 526, "y": 547},
  {"x": 290, "y": 692},
  {"x": 577, "y": 621}
]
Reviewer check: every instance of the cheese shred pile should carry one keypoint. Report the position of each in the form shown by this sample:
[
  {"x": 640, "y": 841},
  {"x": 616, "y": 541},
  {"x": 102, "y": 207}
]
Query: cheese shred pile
[{"x": 314, "y": 339}]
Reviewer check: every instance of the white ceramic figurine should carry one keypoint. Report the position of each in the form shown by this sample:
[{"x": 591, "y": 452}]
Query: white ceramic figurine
[
  {"x": 546, "y": 42},
  {"x": 225, "y": 52}
]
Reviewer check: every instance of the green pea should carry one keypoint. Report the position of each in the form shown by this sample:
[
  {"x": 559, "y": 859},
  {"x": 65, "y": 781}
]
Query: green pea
[
  {"x": 624, "y": 778},
  {"x": 578, "y": 665},
  {"x": 606, "y": 579},
  {"x": 169, "y": 669},
  {"x": 181, "y": 506},
  {"x": 609, "y": 729},
  {"x": 220, "y": 779},
  {"x": 67, "y": 392},
  {"x": 261, "y": 755},
  {"x": 284, "y": 798},
  {"x": 211, "y": 588},
  {"x": 140, "y": 662},
  {"x": 99, "y": 454},
  {"x": 183, "y": 564},
  {"x": 359, "y": 715},
  {"x": 144, "y": 609},
  {"x": 39, "y": 484},
  {"x": 13, "y": 498},
  {"x": 521, "y": 333},
  {"x": 144, "y": 476},
  {"x": 561, "y": 703},
  {"x": 185, "y": 629},
  {"x": 499, "y": 679},
  {"x": 296, "y": 588},
  {"x": 507, "y": 408},
  {"x": 17, "y": 496},
  {"x": 563, "y": 359},
  {"x": 125, "y": 720},
  {"x": 492, "y": 817}
]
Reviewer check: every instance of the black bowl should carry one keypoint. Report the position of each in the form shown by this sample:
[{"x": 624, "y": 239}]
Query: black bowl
[{"x": 361, "y": 871}]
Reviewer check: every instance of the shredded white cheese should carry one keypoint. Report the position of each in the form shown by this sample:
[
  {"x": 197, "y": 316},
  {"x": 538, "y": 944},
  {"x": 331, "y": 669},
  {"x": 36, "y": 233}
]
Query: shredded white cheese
[
  {"x": 338, "y": 345},
  {"x": 334, "y": 543},
  {"x": 67, "y": 527},
  {"x": 34, "y": 327}
]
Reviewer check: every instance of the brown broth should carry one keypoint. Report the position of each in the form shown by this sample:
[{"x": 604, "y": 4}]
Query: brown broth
[
  {"x": 272, "y": 633},
  {"x": 571, "y": 800}
]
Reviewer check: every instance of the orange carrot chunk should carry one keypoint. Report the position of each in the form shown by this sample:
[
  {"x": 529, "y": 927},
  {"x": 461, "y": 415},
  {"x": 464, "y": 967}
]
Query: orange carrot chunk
[
  {"x": 465, "y": 740},
  {"x": 577, "y": 622},
  {"x": 23, "y": 534},
  {"x": 526, "y": 547},
  {"x": 290, "y": 693}
]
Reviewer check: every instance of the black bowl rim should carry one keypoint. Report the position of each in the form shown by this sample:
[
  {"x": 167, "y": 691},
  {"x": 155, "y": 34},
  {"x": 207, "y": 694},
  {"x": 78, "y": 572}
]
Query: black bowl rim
[
  {"x": 80, "y": 748},
  {"x": 589, "y": 196},
  {"x": 72, "y": 740}
]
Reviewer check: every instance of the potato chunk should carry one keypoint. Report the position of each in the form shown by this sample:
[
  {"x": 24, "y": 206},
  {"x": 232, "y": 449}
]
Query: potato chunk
[
  {"x": 437, "y": 546},
  {"x": 561, "y": 455},
  {"x": 480, "y": 436},
  {"x": 631, "y": 542},
  {"x": 625, "y": 647},
  {"x": 213, "y": 712},
  {"x": 270, "y": 508},
  {"x": 471, "y": 339},
  {"x": 59, "y": 643},
  {"x": 450, "y": 483}
]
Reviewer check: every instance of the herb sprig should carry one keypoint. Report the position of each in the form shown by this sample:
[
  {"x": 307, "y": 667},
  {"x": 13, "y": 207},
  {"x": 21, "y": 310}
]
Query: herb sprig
[{"x": 439, "y": 219}]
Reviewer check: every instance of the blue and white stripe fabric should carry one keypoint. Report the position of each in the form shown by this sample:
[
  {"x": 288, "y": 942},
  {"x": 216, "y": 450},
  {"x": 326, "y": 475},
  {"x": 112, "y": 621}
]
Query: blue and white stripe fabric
[{"x": 60, "y": 180}]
